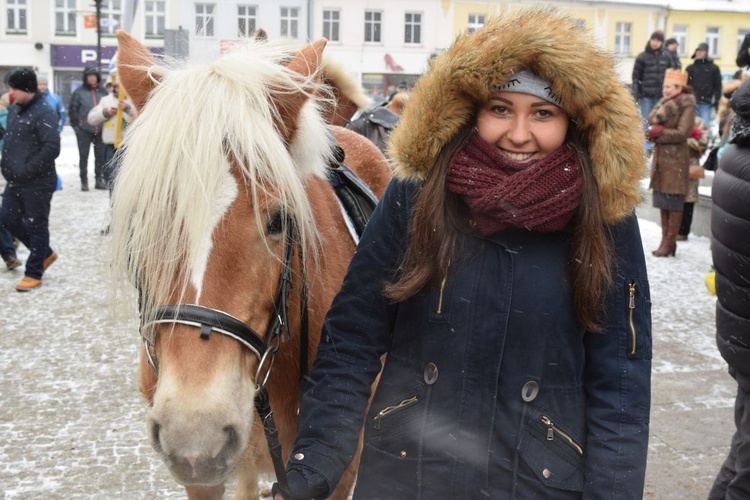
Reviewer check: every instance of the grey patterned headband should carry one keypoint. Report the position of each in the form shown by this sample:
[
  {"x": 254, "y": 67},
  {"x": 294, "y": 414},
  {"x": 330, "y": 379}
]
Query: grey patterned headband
[{"x": 526, "y": 82}]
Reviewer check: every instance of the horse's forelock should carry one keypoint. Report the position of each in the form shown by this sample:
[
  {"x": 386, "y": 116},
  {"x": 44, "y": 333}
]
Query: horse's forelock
[{"x": 177, "y": 161}]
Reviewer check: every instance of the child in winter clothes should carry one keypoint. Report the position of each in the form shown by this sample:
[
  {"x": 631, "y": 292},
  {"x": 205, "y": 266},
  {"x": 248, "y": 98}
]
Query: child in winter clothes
[{"x": 503, "y": 275}]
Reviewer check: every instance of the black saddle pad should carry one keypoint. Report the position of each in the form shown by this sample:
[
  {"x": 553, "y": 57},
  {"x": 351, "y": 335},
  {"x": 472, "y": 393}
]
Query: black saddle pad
[{"x": 355, "y": 196}]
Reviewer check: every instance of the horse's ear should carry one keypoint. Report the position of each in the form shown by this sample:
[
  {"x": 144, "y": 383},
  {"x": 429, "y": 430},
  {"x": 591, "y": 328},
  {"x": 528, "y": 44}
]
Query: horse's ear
[
  {"x": 132, "y": 60},
  {"x": 305, "y": 63}
]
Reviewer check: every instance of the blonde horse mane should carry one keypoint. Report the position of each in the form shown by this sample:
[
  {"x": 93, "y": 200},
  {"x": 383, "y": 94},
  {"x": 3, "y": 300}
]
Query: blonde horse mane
[{"x": 198, "y": 124}]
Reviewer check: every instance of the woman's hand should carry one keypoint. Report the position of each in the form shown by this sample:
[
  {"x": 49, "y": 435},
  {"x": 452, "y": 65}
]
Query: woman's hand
[{"x": 654, "y": 131}]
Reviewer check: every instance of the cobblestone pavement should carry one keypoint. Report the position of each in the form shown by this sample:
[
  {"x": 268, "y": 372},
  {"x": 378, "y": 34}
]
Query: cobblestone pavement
[{"x": 72, "y": 422}]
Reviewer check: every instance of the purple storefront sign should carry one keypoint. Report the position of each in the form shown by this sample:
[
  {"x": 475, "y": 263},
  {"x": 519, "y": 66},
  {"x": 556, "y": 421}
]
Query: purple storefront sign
[{"x": 83, "y": 56}]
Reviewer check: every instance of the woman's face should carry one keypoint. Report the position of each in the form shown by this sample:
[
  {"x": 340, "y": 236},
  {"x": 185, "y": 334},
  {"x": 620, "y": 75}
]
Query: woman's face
[
  {"x": 671, "y": 89},
  {"x": 523, "y": 127}
]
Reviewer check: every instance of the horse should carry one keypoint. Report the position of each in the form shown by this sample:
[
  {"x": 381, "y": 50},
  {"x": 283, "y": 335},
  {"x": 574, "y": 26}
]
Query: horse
[{"x": 225, "y": 223}]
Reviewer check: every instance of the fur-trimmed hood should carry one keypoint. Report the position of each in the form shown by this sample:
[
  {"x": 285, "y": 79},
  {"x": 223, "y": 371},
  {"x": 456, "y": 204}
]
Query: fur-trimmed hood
[{"x": 550, "y": 44}]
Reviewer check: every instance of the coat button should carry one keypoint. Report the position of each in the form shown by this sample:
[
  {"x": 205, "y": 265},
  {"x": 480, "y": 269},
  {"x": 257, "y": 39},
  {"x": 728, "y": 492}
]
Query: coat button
[
  {"x": 430, "y": 373},
  {"x": 299, "y": 456},
  {"x": 529, "y": 391},
  {"x": 546, "y": 473}
]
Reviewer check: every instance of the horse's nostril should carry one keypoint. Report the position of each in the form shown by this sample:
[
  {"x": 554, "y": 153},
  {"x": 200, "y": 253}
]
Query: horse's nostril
[
  {"x": 231, "y": 446},
  {"x": 155, "y": 436}
]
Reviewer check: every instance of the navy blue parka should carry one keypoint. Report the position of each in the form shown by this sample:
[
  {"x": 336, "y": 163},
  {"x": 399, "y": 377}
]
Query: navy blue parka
[{"x": 491, "y": 387}]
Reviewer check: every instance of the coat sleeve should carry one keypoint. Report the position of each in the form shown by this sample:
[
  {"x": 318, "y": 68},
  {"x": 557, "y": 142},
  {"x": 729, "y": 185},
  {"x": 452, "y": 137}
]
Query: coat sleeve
[
  {"x": 637, "y": 76},
  {"x": 96, "y": 114},
  {"x": 618, "y": 377},
  {"x": 717, "y": 84},
  {"x": 73, "y": 106},
  {"x": 356, "y": 333}
]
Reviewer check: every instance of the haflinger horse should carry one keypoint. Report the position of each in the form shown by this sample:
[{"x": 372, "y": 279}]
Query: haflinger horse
[{"x": 223, "y": 219}]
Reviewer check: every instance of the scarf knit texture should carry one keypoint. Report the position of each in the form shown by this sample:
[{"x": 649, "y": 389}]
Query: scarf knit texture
[{"x": 541, "y": 195}]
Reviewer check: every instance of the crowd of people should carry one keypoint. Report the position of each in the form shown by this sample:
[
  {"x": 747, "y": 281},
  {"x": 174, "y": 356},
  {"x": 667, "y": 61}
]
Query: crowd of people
[
  {"x": 31, "y": 120},
  {"x": 510, "y": 161}
]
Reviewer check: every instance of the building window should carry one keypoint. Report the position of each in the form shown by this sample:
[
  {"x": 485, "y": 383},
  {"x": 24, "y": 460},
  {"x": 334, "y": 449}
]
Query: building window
[
  {"x": 155, "y": 18},
  {"x": 680, "y": 34},
  {"x": 65, "y": 17},
  {"x": 204, "y": 19},
  {"x": 476, "y": 21},
  {"x": 289, "y": 21},
  {"x": 372, "y": 26},
  {"x": 622, "y": 39},
  {"x": 741, "y": 34},
  {"x": 246, "y": 20},
  {"x": 331, "y": 25},
  {"x": 712, "y": 39},
  {"x": 413, "y": 28},
  {"x": 111, "y": 16},
  {"x": 16, "y": 16}
]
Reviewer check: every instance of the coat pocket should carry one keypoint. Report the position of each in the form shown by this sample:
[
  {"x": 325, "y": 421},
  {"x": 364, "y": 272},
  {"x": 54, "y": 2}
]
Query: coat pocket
[
  {"x": 553, "y": 452},
  {"x": 636, "y": 311},
  {"x": 394, "y": 424}
]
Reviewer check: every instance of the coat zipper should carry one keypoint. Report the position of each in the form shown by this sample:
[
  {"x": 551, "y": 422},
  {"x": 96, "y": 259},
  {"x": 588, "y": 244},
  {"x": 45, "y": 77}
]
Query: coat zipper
[
  {"x": 552, "y": 429},
  {"x": 631, "y": 307},
  {"x": 388, "y": 410}
]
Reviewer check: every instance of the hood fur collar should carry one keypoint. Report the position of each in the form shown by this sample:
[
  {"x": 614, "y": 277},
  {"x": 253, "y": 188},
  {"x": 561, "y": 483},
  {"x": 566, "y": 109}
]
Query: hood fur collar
[{"x": 548, "y": 43}]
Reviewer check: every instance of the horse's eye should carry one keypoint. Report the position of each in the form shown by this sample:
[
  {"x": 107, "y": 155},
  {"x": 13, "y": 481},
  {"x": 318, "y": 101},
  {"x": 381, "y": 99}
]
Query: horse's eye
[{"x": 275, "y": 224}]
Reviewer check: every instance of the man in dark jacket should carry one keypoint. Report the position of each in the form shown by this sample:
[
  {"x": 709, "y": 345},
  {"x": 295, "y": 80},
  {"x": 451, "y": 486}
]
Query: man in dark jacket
[
  {"x": 743, "y": 55},
  {"x": 648, "y": 73},
  {"x": 730, "y": 220},
  {"x": 705, "y": 78},
  {"x": 28, "y": 165},
  {"x": 83, "y": 99},
  {"x": 671, "y": 45}
]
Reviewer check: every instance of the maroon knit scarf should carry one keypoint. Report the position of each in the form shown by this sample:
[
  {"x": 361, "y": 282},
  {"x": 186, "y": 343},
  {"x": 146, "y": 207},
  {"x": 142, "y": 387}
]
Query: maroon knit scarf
[{"x": 501, "y": 193}]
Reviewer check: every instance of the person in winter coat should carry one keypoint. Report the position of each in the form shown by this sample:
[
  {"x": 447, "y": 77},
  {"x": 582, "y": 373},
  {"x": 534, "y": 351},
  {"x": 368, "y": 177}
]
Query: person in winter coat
[
  {"x": 698, "y": 143},
  {"x": 705, "y": 78},
  {"x": 743, "y": 55},
  {"x": 28, "y": 165},
  {"x": 104, "y": 115},
  {"x": 671, "y": 46},
  {"x": 53, "y": 99},
  {"x": 377, "y": 122},
  {"x": 511, "y": 214},
  {"x": 83, "y": 99},
  {"x": 7, "y": 246},
  {"x": 648, "y": 73},
  {"x": 671, "y": 123},
  {"x": 730, "y": 225}
]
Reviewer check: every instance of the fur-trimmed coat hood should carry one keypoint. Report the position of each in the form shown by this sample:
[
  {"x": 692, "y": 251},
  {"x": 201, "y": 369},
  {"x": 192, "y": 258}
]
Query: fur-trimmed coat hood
[{"x": 551, "y": 45}]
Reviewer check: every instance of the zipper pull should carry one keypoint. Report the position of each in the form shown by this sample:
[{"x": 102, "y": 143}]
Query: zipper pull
[
  {"x": 631, "y": 293},
  {"x": 550, "y": 428}
]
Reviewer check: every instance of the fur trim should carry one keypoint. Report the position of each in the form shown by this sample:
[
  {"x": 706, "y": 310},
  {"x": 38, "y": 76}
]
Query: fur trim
[{"x": 552, "y": 46}]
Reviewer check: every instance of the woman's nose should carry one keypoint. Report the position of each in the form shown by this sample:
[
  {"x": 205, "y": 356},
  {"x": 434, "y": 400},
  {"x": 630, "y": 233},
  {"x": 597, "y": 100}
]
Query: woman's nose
[{"x": 519, "y": 132}]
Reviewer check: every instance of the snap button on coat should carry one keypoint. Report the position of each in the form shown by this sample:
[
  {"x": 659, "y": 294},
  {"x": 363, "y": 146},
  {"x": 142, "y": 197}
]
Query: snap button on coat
[
  {"x": 529, "y": 391},
  {"x": 430, "y": 373}
]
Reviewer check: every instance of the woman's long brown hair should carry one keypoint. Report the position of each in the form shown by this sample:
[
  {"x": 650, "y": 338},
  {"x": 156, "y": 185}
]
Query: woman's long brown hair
[{"x": 437, "y": 220}]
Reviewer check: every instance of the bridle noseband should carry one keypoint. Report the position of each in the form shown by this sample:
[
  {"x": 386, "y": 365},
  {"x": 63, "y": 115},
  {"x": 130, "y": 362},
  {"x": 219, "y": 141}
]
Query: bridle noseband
[{"x": 264, "y": 347}]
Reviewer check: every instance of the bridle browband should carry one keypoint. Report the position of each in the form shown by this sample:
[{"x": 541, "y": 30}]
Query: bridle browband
[{"x": 264, "y": 347}]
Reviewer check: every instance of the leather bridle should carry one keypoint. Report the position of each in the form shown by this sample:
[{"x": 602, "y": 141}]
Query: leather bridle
[{"x": 210, "y": 320}]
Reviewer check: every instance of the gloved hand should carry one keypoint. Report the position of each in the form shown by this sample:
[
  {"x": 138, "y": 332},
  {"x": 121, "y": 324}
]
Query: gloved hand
[
  {"x": 696, "y": 134},
  {"x": 654, "y": 131},
  {"x": 302, "y": 484}
]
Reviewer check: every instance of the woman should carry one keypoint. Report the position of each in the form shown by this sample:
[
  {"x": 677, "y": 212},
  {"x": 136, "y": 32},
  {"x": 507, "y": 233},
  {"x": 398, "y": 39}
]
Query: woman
[
  {"x": 503, "y": 275},
  {"x": 698, "y": 143},
  {"x": 672, "y": 121}
]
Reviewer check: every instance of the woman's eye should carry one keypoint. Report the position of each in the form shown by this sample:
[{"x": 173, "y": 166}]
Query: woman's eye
[{"x": 274, "y": 225}]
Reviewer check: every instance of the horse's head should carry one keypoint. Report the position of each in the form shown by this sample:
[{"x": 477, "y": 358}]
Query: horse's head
[{"x": 213, "y": 170}]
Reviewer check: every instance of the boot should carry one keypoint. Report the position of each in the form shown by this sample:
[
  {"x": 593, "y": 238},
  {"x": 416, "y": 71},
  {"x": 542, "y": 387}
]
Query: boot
[
  {"x": 28, "y": 283},
  {"x": 85, "y": 185},
  {"x": 664, "y": 226},
  {"x": 100, "y": 184},
  {"x": 669, "y": 245}
]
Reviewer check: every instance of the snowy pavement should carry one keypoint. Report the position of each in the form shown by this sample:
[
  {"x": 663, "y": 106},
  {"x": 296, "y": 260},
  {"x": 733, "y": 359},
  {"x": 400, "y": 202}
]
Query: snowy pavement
[{"x": 72, "y": 422}]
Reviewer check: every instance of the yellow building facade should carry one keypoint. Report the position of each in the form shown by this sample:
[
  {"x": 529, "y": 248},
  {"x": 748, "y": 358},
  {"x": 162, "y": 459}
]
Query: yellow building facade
[{"x": 624, "y": 28}]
